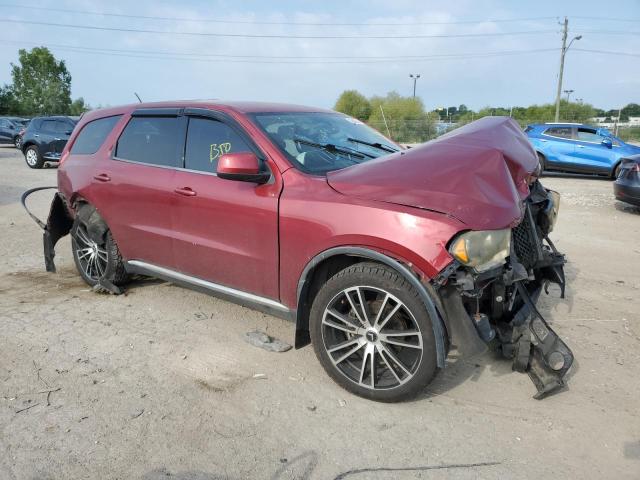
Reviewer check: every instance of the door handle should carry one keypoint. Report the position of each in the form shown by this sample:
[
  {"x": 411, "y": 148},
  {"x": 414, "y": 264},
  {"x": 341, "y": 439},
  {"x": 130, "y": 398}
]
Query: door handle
[
  {"x": 102, "y": 177},
  {"x": 186, "y": 191},
  {"x": 57, "y": 139},
  {"x": 543, "y": 140},
  {"x": 580, "y": 146},
  {"x": 36, "y": 135}
]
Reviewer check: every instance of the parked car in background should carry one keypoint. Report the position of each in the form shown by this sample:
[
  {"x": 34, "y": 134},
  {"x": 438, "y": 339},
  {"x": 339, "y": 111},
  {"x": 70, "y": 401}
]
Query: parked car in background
[
  {"x": 578, "y": 148},
  {"x": 626, "y": 188},
  {"x": 10, "y": 128},
  {"x": 382, "y": 257},
  {"x": 45, "y": 138}
]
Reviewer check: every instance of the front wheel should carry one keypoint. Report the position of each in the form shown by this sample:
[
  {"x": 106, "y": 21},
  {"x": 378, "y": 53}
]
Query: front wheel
[
  {"x": 33, "y": 157},
  {"x": 541, "y": 162},
  {"x": 372, "y": 333},
  {"x": 17, "y": 142}
]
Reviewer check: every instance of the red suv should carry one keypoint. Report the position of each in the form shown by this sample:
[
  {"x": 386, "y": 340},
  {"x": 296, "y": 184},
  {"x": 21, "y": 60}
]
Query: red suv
[{"x": 385, "y": 258}]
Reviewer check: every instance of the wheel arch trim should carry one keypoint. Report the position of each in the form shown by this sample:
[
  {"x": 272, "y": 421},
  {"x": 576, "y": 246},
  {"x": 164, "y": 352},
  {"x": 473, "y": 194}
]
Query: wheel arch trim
[{"x": 429, "y": 303}]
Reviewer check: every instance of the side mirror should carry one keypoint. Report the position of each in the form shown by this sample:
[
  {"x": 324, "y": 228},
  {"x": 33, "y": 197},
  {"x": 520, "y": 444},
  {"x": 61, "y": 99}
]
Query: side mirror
[
  {"x": 606, "y": 142},
  {"x": 243, "y": 167}
]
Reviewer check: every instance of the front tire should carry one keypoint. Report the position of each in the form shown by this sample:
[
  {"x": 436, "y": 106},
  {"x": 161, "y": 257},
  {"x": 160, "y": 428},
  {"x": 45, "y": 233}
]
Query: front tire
[
  {"x": 96, "y": 260},
  {"x": 372, "y": 333},
  {"x": 33, "y": 157}
]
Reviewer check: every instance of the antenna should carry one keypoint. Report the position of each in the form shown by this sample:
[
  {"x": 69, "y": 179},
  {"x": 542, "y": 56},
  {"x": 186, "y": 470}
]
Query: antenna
[{"x": 138, "y": 97}]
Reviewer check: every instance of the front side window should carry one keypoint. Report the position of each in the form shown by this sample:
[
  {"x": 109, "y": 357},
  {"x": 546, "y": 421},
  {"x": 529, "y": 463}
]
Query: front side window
[
  {"x": 207, "y": 141},
  {"x": 589, "y": 135},
  {"x": 151, "y": 140},
  {"x": 560, "y": 132},
  {"x": 93, "y": 135},
  {"x": 319, "y": 142}
]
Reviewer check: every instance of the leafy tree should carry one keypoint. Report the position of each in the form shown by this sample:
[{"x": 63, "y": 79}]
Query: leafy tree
[
  {"x": 7, "y": 101},
  {"x": 405, "y": 116},
  {"x": 353, "y": 103},
  {"x": 41, "y": 84},
  {"x": 78, "y": 107}
]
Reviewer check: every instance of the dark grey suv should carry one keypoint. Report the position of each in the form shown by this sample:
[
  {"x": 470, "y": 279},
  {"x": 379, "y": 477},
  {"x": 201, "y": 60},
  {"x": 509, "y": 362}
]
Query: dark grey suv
[{"x": 45, "y": 138}]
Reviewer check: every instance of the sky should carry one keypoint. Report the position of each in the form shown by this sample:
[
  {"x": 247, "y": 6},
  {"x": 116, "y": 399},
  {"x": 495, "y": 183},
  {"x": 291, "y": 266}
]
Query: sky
[{"x": 472, "y": 52}]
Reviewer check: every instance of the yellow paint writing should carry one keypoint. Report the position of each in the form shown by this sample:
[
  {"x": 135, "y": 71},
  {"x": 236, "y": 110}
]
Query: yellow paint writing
[{"x": 217, "y": 150}]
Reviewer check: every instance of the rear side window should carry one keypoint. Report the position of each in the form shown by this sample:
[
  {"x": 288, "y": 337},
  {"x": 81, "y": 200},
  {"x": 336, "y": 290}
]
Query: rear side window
[
  {"x": 560, "y": 132},
  {"x": 49, "y": 126},
  {"x": 93, "y": 135},
  {"x": 152, "y": 140},
  {"x": 207, "y": 141}
]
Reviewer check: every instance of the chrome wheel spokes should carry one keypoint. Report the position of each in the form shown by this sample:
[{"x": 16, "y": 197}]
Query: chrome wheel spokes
[
  {"x": 91, "y": 256},
  {"x": 371, "y": 337}
]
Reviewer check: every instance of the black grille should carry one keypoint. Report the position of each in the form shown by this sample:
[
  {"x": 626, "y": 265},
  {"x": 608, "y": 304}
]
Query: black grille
[{"x": 525, "y": 241}]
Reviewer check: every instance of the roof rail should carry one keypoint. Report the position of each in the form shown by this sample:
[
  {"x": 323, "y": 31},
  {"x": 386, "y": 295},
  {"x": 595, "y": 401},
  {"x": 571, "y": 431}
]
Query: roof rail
[{"x": 562, "y": 123}]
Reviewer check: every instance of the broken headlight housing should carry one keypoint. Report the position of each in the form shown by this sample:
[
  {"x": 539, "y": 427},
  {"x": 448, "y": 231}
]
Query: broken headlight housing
[{"x": 482, "y": 250}]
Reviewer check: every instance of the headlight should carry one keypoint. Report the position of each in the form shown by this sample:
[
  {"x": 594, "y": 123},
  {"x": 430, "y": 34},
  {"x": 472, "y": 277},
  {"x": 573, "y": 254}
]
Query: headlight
[{"x": 482, "y": 250}]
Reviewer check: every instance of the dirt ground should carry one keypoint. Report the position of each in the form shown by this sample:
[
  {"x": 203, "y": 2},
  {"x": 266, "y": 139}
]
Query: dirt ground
[{"x": 159, "y": 383}]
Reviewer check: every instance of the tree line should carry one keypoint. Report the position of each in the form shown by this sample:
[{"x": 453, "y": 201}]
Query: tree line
[
  {"x": 41, "y": 85},
  {"x": 406, "y": 120}
]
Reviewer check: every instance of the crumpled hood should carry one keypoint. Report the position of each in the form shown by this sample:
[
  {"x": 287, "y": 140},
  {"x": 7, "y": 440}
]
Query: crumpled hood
[{"x": 477, "y": 173}]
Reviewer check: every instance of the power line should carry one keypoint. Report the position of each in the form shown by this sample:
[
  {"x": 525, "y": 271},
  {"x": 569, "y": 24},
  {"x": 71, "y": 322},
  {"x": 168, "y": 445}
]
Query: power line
[
  {"x": 607, "y": 52},
  {"x": 226, "y": 58},
  {"x": 255, "y": 35},
  {"x": 281, "y": 57},
  {"x": 260, "y": 22},
  {"x": 607, "y": 19}
]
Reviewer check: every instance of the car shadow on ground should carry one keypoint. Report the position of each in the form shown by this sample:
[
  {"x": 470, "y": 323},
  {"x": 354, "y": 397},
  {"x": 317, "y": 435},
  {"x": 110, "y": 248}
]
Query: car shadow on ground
[
  {"x": 586, "y": 176},
  {"x": 627, "y": 208}
]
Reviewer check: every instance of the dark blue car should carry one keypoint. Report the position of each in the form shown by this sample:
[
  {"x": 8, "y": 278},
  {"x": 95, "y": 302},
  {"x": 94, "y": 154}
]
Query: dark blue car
[{"x": 578, "y": 148}]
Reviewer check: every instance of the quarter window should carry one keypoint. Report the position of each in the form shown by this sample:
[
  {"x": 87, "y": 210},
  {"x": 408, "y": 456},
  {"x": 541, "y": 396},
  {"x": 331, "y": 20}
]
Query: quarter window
[
  {"x": 152, "y": 140},
  {"x": 560, "y": 132},
  {"x": 93, "y": 135},
  {"x": 207, "y": 141}
]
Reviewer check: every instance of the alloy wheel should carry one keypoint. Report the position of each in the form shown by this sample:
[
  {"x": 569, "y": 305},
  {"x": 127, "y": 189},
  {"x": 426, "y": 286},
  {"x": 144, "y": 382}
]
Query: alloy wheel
[
  {"x": 372, "y": 338},
  {"x": 91, "y": 256},
  {"x": 31, "y": 157}
]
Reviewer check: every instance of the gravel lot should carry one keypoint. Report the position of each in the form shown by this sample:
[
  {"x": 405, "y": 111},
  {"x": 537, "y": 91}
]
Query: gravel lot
[{"x": 158, "y": 383}]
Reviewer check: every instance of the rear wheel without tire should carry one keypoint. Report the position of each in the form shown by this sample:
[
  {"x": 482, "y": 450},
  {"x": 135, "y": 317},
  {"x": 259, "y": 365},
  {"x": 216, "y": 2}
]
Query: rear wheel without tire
[
  {"x": 96, "y": 260},
  {"x": 33, "y": 157},
  {"x": 372, "y": 333}
]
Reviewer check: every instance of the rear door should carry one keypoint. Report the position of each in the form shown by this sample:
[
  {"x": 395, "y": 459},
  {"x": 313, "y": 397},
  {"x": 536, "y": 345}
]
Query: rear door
[
  {"x": 7, "y": 130},
  {"x": 134, "y": 189},
  {"x": 46, "y": 137},
  {"x": 558, "y": 145},
  {"x": 63, "y": 129},
  {"x": 591, "y": 155},
  {"x": 226, "y": 231}
]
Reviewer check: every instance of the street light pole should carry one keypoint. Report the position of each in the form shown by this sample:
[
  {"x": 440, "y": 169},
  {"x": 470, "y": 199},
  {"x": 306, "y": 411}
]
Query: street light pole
[
  {"x": 568, "y": 92},
  {"x": 415, "y": 79},
  {"x": 565, "y": 47}
]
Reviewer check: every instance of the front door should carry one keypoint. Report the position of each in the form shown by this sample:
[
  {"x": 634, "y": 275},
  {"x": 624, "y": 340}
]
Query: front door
[
  {"x": 591, "y": 155},
  {"x": 558, "y": 145},
  {"x": 226, "y": 231}
]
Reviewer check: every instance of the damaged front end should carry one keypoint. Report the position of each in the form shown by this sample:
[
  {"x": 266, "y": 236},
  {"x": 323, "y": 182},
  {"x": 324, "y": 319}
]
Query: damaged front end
[{"x": 495, "y": 302}]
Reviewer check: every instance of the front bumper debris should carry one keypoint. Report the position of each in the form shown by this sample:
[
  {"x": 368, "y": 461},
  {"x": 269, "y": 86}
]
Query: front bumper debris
[{"x": 498, "y": 308}]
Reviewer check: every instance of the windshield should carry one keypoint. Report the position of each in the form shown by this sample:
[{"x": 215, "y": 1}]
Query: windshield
[{"x": 319, "y": 142}]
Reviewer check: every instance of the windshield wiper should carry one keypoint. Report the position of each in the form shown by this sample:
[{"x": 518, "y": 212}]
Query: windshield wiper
[
  {"x": 329, "y": 147},
  {"x": 377, "y": 145}
]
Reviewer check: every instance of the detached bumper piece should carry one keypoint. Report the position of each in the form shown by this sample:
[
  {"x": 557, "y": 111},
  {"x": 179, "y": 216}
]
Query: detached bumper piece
[
  {"x": 498, "y": 307},
  {"x": 58, "y": 224}
]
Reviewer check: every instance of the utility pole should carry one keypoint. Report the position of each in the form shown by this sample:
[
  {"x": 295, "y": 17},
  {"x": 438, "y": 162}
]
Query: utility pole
[
  {"x": 563, "y": 52},
  {"x": 415, "y": 77}
]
